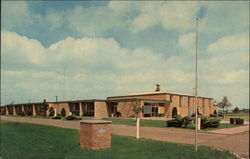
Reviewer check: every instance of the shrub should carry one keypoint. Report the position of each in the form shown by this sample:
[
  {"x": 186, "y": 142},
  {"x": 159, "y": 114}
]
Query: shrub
[
  {"x": 199, "y": 115},
  {"x": 118, "y": 114},
  {"x": 221, "y": 115},
  {"x": 232, "y": 120},
  {"x": 186, "y": 120},
  {"x": 58, "y": 116},
  {"x": 73, "y": 117},
  {"x": 63, "y": 112},
  {"x": 209, "y": 122},
  {"x": 175, "y": 122},
  {"x": 213, "y": 115},
  {"x": 239, "y": 121},
  {"x": 51, "y": 111}
]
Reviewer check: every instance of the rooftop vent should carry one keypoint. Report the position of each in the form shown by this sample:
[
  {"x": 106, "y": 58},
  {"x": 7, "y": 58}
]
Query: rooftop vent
[{"x": 157, "y": 88}]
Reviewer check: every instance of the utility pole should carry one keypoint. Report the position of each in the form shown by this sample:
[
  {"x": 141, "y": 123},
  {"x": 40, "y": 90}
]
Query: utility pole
[{"x": 196, "y": 85}]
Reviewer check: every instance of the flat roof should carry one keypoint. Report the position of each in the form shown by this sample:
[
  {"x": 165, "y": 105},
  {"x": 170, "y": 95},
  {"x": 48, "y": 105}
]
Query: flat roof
[
  {"x": 70, "y": 101},
  {"x": 157, "y": 93},
  {"x": 138, "y": 99}
]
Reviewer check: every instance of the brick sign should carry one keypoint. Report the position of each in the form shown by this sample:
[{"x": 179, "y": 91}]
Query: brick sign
[{"x": 101, "y": 131}]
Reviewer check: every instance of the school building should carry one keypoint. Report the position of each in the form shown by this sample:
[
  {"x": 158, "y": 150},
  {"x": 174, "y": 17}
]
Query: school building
[{"x": 154, "y": 104}]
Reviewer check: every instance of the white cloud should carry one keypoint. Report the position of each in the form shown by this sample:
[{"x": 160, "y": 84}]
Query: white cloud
[
  {"x": 14, "y": 13},
  {"x": 170, "y": 15},
  {"x": 92, "y": 21},
  {"x": 187, "y": 42},
  {"x": 231, "y": 43},
  {"x": 16, "y": 48},
  {"x": 99, "y": 64}
]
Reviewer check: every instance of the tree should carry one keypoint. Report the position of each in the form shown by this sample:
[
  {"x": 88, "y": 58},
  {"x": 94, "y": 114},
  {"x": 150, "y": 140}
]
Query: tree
[
  {"x": 236, "y": 110},
  {"x": 137, "y": 109},
  {"x": 224, "y": 104}
]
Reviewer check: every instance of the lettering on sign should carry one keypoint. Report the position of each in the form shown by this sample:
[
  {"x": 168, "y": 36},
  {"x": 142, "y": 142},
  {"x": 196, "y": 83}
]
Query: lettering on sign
[{"x": 101, "y": 131}]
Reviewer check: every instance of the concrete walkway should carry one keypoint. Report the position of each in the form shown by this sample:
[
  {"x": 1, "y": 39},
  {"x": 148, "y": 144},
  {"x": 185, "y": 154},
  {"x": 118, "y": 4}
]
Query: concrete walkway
[{"x": 237, "y": 142}]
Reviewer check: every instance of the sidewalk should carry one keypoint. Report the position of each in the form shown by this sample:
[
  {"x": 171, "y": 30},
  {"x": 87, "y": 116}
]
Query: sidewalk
[{"x": 236, "y": 143}]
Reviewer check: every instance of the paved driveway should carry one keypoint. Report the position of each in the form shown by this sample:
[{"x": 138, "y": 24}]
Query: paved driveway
[{"x": 237, "y": 142}]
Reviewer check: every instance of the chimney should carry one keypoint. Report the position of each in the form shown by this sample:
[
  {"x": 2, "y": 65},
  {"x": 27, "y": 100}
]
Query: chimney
[{"x": 157, "y": 88}]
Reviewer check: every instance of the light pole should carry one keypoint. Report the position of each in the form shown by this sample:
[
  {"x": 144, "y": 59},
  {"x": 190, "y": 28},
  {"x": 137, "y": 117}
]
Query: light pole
[{"x": 196, "y": 85}]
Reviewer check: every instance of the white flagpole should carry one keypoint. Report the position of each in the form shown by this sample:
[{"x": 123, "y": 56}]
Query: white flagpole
[{"x": 196, "y": 85}]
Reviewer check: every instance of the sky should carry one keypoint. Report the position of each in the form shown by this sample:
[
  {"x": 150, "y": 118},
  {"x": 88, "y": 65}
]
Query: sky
[{"x": 112, "y": 48}]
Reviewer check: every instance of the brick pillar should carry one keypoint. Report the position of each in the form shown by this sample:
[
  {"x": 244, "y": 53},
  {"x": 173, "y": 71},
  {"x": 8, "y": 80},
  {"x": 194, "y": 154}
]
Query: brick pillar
[
  {"x": 33, "y": 110},
  {"x": 80, "y": 109},
  {"x": 23, "y": 108},
  {"x": 95, "y": 134},
  {"x": 14, "y": 110}
]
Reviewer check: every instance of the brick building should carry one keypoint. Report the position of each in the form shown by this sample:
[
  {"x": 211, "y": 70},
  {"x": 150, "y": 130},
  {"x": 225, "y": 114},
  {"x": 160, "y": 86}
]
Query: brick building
[{"x": 155, "y": 104}]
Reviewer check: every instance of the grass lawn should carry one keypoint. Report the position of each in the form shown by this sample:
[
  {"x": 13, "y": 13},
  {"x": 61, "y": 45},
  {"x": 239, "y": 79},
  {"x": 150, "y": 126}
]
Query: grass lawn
[
  {"x": 244, "y": 116},
  {"x": 30, "y": 141},
  {"x": 161, "y": 123}
]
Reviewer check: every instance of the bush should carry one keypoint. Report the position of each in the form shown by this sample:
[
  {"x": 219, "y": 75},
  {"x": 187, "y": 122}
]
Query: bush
[
  {"x": 213, "y": 115},
  {"x": 118, "y": 114},
  {"x": 186, "y": 120},
  {"x": 58, "y": 116},
  {"x": 73, "y": 117},
  {"x": 63, "y": 112},
  {"x": 51, "y": 111},
  {"x": 199, "y": 115},
  {"x": 221, "y": 115},
  {"x": 175, "y": 122},
  {"x": 232, "y": 120},
  {"x": 239, "y": 121},
  {"x": 209, "y": 122}
]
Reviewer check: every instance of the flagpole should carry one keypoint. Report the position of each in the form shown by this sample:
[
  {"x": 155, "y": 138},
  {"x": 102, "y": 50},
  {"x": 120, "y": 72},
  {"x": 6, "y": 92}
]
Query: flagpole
[{"x": 196, "y": 85}]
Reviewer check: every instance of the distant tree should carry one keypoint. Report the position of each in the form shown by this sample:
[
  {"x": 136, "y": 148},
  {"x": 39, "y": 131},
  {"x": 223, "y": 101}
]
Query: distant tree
[
  {"x": 224, "y": 104},
  {"x": 236, "y": 110},
  {"x": 137, "y": 109}
]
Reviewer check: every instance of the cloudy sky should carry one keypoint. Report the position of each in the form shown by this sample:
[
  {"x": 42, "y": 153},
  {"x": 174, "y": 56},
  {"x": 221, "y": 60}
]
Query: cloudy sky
[{"x": 117, "y": 48}]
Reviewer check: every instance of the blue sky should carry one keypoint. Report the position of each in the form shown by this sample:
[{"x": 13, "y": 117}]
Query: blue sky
[{"x": 122, "y": 47}]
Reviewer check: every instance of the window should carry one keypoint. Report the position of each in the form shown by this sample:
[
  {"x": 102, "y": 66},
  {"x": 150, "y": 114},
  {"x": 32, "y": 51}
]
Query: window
[{"x": 180, "y": 101}]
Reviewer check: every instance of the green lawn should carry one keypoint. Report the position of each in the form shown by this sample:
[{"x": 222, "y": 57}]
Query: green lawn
[
  {"x": 30, "y": 141},
  {"x": 244, "y": 116},
  {"x": 161, "y": 123},
  {"x": 143, "y": 122}
]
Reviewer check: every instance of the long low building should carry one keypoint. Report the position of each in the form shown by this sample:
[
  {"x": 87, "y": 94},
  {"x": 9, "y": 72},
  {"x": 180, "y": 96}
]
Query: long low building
[{"x": 154, "y": 104}]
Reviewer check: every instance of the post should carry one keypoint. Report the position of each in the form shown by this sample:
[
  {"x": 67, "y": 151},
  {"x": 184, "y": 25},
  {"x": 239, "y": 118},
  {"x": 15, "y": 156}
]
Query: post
[
  {"x": 199, "y": 123},
  {"x": 137, "y": 128},
  {"x": 80, "y": 109},
  {"x": 6, "y": 110},
  {"x": 196, "y": 85},
  {"x": 33, "y": 110}
]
